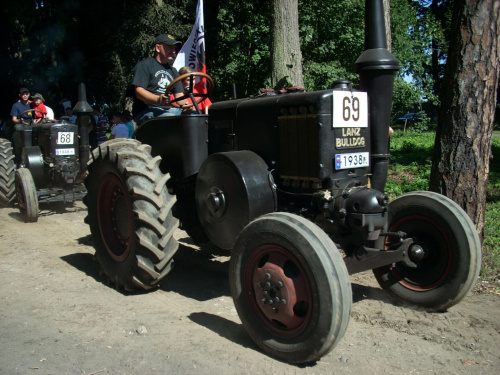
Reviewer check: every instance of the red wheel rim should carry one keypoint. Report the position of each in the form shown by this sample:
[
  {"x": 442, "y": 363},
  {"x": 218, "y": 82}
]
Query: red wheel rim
[
  {"x": 278, "y": 290},
  {"x": 437, "y": 248},
  {"x": 114, "y": 215}
]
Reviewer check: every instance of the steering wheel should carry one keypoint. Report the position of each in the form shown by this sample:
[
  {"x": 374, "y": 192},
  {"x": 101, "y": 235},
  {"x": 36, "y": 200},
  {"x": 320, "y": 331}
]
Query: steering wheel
[
  {"x": 201, "y": 96},
  {"x": 33, "y": 120}
]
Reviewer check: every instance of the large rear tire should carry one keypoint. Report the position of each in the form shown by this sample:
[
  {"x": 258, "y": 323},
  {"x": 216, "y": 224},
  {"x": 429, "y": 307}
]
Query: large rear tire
[
  {"x": 290, "y": 287},
  {"x": 7, "y": 173},
  {"x": 130, "y": 215},
  {"x": 446, "y": 250},
  {"x": 26, "y": 195}
]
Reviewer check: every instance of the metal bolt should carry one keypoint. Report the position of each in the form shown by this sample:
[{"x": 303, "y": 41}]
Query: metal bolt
[
  {"x": 266, "y": 292},
  {"x": 280, "y": 284},
  {"x": 268, "y": 276},
  {"x": 270, "y": 301},
  {"x": 259, "y": 284},
  {"x": 263, "y": 300},
  {"x": 268, "y": 284},
  {"x": 283, "y": 302},
  {"x": 276, "y": 299}
]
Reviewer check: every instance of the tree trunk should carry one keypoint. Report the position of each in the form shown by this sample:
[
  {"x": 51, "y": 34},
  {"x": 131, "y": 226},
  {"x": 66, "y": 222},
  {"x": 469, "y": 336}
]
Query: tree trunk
[
  {"x": 462, "y": 152},
  {"x": 286, "y": 54},
  {"x": 387, "y": 21}
]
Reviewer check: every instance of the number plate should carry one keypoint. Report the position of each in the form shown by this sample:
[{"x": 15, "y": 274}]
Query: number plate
[
  {"x": 65, "y": 151},
  {"x": 65, "y": 138},
  {"x": 350, "y": 109},
  {"x": 354, "y": 160}
]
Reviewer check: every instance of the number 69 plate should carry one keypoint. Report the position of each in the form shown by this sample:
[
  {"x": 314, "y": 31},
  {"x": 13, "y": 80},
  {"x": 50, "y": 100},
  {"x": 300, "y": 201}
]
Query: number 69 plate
[
  {"x": 350, "y": 109},
  {"x": 354, "y": 160}
]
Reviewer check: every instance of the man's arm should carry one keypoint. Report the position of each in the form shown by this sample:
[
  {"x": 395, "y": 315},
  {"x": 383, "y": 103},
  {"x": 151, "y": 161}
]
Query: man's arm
[{"x": 150, "y": 98}]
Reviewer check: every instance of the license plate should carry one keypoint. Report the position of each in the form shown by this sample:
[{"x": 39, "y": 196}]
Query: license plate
[
  {"x": 65, "y": 138},
  {"x": 354, "y": 160},
  {"x": 350, "y": 109},
  {"x": 65, "y": 151}
]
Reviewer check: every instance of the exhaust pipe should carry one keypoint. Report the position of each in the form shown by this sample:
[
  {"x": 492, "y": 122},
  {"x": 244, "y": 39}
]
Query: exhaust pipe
[
  {"x": 83, "y": 112},
  {"x": 376, "y": 68}
]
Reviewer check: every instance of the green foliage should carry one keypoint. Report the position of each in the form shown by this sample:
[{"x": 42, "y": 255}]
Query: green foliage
[
  {"x": 405, "y": 97},
  {"x": 238, "y": 47},
  {"x": 411, "y": 155},
  {"x": 329, "y": 48}
]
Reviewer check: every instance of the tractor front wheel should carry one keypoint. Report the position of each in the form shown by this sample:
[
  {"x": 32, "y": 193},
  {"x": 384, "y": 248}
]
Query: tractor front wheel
[
  {"x": 290, "y": 287},
  {"x": 26, "y": 195},
  {"x": 446, "y": 251}
]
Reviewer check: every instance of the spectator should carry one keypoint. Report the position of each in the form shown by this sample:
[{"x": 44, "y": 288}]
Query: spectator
[
  {"x": 37, "y": 103},
  {"x": 101, "y": 127},
  {"x": 152, "y": 76},
  {"x": 69, "y": 113},
  {"x": 50, "y": 113},
  {"x": 120, "y": 130},
  {"x": 126, "y": 118}
]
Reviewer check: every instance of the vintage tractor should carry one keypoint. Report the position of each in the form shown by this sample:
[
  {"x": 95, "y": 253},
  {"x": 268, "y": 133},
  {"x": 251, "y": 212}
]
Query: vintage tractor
[
  {"x": 53, "y": 159},
  {"x": 283, "y": 181}
]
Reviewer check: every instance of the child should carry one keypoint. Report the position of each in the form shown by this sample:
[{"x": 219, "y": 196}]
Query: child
[
  {"x": 185, "y": 83},
  {"x": 120, "y": 130},
  {"x": 37, "y": 103}
]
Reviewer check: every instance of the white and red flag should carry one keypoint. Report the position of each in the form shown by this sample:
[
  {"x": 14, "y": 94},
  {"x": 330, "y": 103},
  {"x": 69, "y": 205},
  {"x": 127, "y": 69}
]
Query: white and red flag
[{"x": 192, "y": 53}]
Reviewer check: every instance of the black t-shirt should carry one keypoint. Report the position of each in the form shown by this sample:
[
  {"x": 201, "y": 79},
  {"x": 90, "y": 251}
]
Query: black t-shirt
[{"x": 155, "y": 77}]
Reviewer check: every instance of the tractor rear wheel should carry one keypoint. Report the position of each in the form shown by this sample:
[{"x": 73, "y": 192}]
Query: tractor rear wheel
[
  {"x": 130, "y": 215},
  {"x": 446, "y": 250},
  {"x": 26, "y": 195},
  {"x": 290, "y": 287},
  {"x": 7, "y": 173}
]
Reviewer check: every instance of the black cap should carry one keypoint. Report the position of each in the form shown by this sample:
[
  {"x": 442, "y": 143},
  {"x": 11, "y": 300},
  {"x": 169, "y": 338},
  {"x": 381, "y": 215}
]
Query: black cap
[
  {"x": 23, "y": 89},
  {"x": 167, "y": 39}
]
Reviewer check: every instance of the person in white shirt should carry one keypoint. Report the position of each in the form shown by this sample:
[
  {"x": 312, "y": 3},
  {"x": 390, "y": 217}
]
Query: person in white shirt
[{"x": 50, "y": 113}]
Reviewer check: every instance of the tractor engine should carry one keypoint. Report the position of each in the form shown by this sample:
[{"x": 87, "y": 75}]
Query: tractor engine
[
  {"x": 53, "y": 156},
  {"x": 317, "y": 150}
]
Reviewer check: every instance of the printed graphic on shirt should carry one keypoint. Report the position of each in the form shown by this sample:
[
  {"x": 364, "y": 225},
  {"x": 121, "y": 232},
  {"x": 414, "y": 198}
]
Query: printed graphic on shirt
[{"x": 164, "y": 79}]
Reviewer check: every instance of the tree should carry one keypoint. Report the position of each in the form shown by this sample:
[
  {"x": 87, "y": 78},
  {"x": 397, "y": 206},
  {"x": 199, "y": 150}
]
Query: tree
[
  {"x": 462, "y": 152},
  {"x": 286, "y": 54}
]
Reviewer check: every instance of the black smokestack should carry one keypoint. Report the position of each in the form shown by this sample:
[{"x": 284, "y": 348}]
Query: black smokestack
[
  {"x": 376, "y": 67},
  {"x": 83, "y": 111}
]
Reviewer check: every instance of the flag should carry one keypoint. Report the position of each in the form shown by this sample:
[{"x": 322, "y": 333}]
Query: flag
[{"x": 192, "y": 53}]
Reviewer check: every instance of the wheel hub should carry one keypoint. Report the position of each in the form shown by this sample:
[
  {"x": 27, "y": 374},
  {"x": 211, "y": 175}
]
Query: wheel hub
[
  {"x": 417, "y": 253},
  {"x": 282, "y": 296},
  {"x": 114, "y": 218},
  {"x": 216, "y": 202}
]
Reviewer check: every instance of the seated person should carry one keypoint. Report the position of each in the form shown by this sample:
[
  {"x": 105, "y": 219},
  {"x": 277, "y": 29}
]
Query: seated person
[
  {"x": 37, "y": 103},
  {"x": 203, "y": 106},
  {"x": 19, "y": 121},
  {"x": 153, "y": 75}
]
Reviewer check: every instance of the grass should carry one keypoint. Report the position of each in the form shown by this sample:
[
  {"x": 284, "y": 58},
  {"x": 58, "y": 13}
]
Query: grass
[{"x": 410, "y": 167}]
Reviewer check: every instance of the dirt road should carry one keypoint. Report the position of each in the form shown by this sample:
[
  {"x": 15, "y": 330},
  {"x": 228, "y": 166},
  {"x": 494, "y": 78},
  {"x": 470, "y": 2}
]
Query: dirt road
[{"x": 57, "y": 317}]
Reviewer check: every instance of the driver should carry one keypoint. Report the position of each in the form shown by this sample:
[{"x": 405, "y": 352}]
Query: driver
[
  {"x": 22, "y": 105},
  {"x": 152, "y": 76}
]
